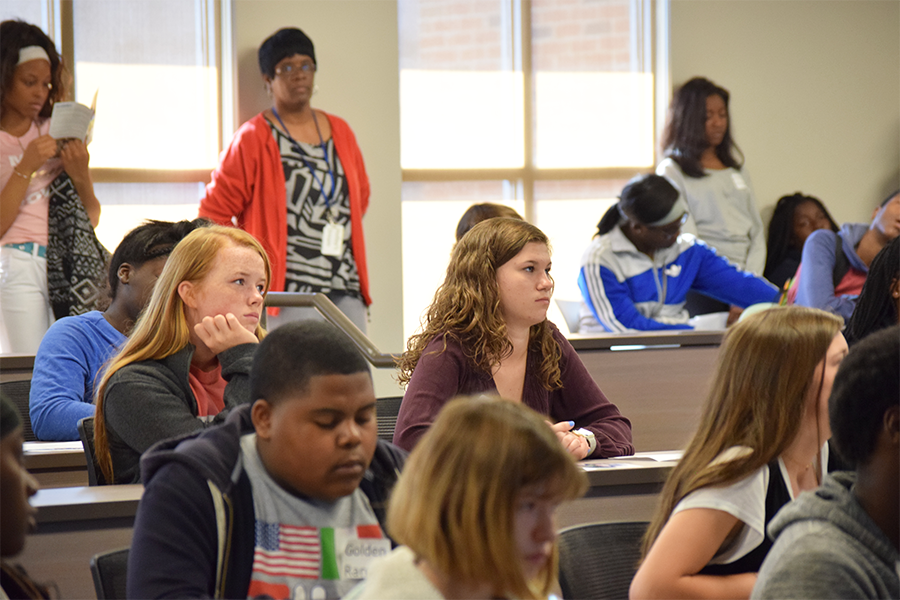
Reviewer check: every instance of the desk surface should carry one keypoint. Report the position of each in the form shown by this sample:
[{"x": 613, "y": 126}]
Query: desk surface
[
  {"x": 87, "y": 503},
  {"x": 53, "y": 455}
]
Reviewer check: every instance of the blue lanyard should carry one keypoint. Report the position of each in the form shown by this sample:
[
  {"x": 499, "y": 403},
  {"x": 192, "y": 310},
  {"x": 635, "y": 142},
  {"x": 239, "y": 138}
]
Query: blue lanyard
[{"x": 312, "y": 171}]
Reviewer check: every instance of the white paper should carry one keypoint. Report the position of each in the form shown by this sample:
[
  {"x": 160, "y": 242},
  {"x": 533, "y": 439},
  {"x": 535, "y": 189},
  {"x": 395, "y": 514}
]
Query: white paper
[{"x": 70, "y": 120}]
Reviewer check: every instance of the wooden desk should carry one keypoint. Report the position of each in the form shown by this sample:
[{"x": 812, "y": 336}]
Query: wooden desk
[
  {"x": 76, "y": 523},
  {"x": 658, "y": 380},
  {"x": 16, "y": 367},
  {"x": 56, "y": 464}
]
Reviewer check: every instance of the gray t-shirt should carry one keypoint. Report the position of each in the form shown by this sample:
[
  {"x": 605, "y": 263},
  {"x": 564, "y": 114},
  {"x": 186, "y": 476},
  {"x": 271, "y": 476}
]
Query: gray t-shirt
[{"x": 307, "y": 548}]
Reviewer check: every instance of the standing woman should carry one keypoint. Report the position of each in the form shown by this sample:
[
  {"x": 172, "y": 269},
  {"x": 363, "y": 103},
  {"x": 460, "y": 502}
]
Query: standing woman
[
  {"x": 31, "y": 166},
  {"x": 487, "y": 332},
  {"x": 188, "y": 357},
  {"x": 706, "y": 166},
  {"x": 761, "y": 441},
  {"x": 294, "y": 177}
]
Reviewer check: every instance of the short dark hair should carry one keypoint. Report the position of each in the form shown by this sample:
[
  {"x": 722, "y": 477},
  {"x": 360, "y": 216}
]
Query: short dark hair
[
  {"x": 647, "y": 198},
  {"x": 146, "y": 242},
  {"x": 866, "y": 385},
  {"x": 282, "y": 44},
  {"x": 889, "y": 198},
  {"x": 294, "y": 353},
  {"x": 477, "y": 213}
]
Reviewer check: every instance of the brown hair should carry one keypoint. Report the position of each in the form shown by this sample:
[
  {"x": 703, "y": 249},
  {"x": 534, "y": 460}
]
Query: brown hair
[
  {"x": 163, "y": 329},
  {"x": 455, "y": 502},
  {"x": 467, "y": 305},
  {"x": 763, "y": 377}
]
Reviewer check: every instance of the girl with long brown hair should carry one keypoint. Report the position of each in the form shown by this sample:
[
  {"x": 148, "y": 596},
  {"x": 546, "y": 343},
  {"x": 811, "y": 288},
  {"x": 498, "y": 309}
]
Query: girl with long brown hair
[
  {"x": 487, "y": 332},
  {"x": 761, "y": 441}
]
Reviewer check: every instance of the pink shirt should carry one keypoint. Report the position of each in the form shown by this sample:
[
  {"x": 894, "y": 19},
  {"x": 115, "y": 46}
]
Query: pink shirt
[
  {"x": 31, "y": 222},
  {"x": 209, "y": 390}
]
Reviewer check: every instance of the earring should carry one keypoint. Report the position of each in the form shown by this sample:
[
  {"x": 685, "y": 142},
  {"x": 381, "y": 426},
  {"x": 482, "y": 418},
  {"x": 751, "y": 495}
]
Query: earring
[{"x": 315, "y": 89}]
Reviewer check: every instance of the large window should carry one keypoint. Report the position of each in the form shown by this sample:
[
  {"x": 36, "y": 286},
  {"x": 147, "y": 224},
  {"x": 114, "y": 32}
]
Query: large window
[
  {"x": 542, "y": 105},
  {"x": 155, "y": 67}
]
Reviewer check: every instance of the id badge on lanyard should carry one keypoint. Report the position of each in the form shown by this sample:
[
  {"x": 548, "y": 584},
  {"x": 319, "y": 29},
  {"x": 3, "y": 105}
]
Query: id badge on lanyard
[{"x": 332, "y": 239}]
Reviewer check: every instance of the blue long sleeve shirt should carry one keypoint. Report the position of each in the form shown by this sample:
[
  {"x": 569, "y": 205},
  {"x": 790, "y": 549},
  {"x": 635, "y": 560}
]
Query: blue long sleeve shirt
[
  {"x": 815, "y": 284},
  {"x": 66, "y": 369},
  {"x": 624, "y": 289}
]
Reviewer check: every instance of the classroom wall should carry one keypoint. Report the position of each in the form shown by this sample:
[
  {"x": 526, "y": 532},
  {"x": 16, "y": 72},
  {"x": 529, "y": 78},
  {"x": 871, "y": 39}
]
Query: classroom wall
[
  {"x": 815, "y": 92},
  {"x": 358, "y": 80},
  {"x": 815, "y": 102}
]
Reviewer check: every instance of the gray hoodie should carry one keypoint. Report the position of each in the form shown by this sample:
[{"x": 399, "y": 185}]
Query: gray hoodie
[{"x": 827, "y": 546}]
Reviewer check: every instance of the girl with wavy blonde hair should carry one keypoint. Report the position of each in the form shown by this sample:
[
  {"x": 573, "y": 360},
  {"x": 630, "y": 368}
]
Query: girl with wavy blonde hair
[
  {"x": 188, "y": 357},
  {"x": 761, "y": 441},
  {"x": 487, "y": 332},
  {"x": 474, "y": 507}
]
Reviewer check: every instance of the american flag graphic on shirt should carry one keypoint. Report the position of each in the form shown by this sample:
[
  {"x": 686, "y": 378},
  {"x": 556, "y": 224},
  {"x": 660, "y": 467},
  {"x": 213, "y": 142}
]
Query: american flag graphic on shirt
[{"x": 287, "y": 554}]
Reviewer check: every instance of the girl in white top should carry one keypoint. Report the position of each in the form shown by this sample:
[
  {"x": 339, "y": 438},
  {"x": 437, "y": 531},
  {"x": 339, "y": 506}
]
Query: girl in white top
[
  {"x": 761, "y": 441},
  {"x": 702, "y": 163},
  {"x": 31, "y": 80}
]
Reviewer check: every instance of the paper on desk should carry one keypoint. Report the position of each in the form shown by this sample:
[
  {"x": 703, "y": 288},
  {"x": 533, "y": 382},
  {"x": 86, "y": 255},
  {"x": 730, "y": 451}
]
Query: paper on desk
[{"x": 51, "y": 447}]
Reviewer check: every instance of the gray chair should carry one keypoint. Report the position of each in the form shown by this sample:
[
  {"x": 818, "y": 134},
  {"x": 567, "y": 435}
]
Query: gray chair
[
  {"x": 86, "y": 433},
  {"x": 109, "y": 570},
  {"x": 599, "y": 560},
  {"x": 18, "y": 392},
  {"x": 386, "y": 410}
]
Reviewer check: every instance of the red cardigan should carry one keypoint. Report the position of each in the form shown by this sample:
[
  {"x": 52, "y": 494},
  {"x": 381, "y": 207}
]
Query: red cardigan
[{"x": 248, "y": 190}]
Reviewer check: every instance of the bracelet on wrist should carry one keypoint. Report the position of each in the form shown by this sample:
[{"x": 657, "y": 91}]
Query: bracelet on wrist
[{"x": 20, "y": 174}]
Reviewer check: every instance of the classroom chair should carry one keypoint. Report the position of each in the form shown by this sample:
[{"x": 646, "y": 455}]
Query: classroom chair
[
  {"x": 18, "y": 392},
  {"x": 599, "y": 560},
  {"x": 386, "y": 411},
  {"x": 86, "y": 432},
  {"x": 109, "y": 571}
]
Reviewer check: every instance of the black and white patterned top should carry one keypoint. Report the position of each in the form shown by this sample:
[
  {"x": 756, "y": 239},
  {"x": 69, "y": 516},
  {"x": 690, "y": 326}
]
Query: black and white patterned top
[{"x": 308, "y": 270}]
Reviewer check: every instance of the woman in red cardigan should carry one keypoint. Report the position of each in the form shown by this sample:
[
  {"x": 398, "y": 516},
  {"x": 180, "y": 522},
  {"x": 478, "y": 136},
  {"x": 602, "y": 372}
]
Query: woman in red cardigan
[{"x": 294, "y": 177}]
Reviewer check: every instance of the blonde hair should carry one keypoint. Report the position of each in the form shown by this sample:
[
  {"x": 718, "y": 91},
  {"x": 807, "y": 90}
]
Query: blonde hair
[
  {"x": 763, "y": 378},
  {"x": 163, "y": 329},
  {"x": 455, "y": 502},
  {"x": 467, "y": 305}
]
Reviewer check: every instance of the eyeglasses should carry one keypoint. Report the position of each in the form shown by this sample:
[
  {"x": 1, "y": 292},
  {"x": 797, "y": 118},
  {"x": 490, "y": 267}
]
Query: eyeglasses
[{"x": 290, "y": 70}]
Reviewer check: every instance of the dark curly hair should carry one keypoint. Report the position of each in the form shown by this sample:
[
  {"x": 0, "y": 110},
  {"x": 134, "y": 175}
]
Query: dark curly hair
[
  {"x": 15, "y": 35},
  {"x": 684, "y": 137},
  {"x": 781, "y": 228}
]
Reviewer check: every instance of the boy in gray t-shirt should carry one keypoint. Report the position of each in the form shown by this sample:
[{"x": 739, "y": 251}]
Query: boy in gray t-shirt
[{"x": 286, "y": 498}]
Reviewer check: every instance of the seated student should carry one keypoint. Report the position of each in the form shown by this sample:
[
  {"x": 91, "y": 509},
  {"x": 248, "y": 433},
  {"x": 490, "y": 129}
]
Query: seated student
[
  {"x": 188, "y": 358},
  {"x": 842, "y": 540},
  {"x": 794, "y": 219},
  {"x": 16, "y": 514},
  {"x": 286, "y": 499},
  {"x": 761, "y": 441},
  {"x": 74, "y": 349},
  {"x": 474, "y": 508},
  {"x": 639, "y": 268},
  {"x": 481, "y": 212},
  {"x": 487, "y": 332},
  {"x": 878, "y": 305},
  {"x": 834, "y": 265}
]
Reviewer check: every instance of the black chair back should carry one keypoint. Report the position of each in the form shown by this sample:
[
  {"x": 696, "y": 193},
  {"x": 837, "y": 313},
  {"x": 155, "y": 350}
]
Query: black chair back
[
  {"x": 109, "y": 570},
  {"x": 599, "y": 560},
  {"x": 386, "y": 410},
  {"x": 86, "y": 432},
  {"x": 18, "y": 392}
]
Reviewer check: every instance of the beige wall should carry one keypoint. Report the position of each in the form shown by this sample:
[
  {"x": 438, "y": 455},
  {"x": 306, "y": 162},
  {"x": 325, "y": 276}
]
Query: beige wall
[
  {"x": 358, "y": 80},
  {"x": 815, "y": 101},
  {"x": 815, "y": 92}
]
